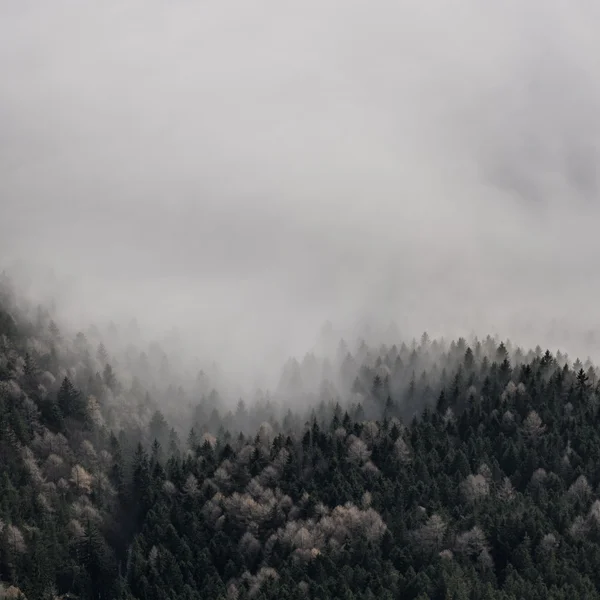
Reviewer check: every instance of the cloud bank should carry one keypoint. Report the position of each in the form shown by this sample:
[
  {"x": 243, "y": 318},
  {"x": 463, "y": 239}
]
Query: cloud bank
[{"x": 246, "y": 171}]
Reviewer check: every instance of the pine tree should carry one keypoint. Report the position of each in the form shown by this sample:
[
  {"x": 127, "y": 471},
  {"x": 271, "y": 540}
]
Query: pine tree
[{"x": 70, "y": 401}]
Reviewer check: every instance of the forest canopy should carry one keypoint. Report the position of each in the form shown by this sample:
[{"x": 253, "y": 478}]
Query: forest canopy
[{"x": 424, "y": 469}]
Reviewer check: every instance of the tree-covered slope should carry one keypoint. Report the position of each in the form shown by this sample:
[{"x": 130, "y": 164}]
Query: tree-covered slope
[{"x": 424, "y": 470}]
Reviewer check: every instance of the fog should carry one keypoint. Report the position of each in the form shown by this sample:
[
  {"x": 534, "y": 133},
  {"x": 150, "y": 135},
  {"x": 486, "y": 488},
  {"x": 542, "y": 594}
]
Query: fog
[{"x": 247, "y": 171}]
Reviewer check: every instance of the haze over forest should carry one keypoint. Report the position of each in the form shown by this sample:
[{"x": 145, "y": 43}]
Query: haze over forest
[
  {"x": 246, "y": 172},
  {"x": 298, "y": 300}
]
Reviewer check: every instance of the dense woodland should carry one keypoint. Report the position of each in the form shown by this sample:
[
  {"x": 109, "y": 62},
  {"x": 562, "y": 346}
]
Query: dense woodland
[{"x": 425, "y": 469}]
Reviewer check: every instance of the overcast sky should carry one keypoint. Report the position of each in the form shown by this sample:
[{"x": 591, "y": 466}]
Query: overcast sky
[{"x": 255, "y": 168}]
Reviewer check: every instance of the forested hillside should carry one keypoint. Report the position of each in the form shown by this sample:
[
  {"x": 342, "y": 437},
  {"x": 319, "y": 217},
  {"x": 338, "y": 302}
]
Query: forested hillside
[{"x": 426, "y": 469}]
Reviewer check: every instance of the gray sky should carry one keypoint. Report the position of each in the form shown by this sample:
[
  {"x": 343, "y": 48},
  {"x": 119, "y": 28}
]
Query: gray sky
[{"x": 250, "y": 169}]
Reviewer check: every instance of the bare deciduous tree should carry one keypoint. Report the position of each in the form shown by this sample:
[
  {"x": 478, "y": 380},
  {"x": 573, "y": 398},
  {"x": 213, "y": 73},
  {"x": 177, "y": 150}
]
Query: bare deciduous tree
[
  {"x": 580, "y": 490},
  {"x": 81, "y": 479},
  {"x": 249, "y": 546},
  {"x": 474, "y": 488},
  {"x": 533, "y": 426},
  {"x": 402, "y": 450},
  {"x": 506, "y": 491},
  {"x": 15, "y": 539},
  {"x": 430, "y": 536},
  {"x": 358, "y": 452},
  {"x": 190, "y": 487},
  {"x": 548, "y": 543},
  {"x": 169, "y": 488}
]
